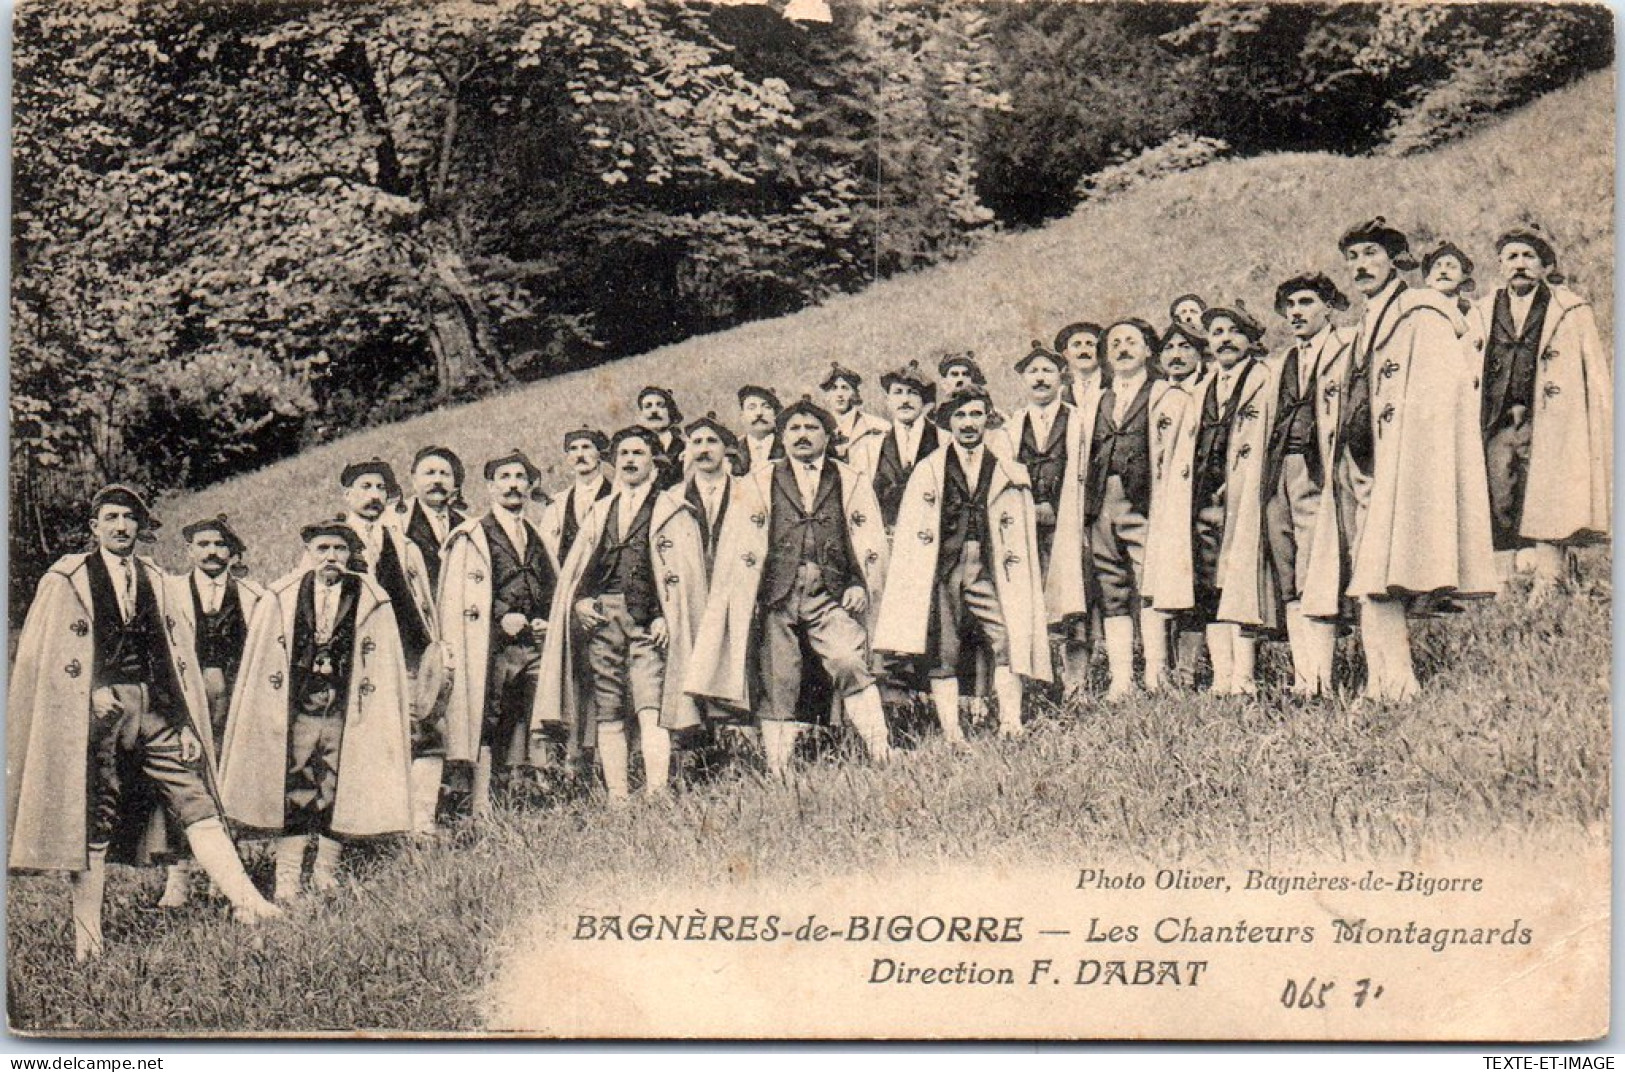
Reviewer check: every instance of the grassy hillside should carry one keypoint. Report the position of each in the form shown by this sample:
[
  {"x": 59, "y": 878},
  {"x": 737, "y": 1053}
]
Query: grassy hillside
[{"x": 1230, "y": 230}]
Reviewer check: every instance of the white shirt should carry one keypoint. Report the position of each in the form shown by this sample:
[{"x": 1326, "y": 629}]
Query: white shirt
[
  {"x": 1309, "y": 351},
  {"x": 1374, "y": 306},
  {"x": 628, "y": 505},
  {"x": 1228, "y": 379},
  {"x": 372, "y": 538},
  {"x": 711, "y": 492},
  {"x": 585, "y": 493},
  {"x": 1043, "y": 419},
  {"x": 439, "y": 522},
  {"x": 211, "y": 591},
  {"x": 122, "y": 569},
  {"x": 807, "y": 475},
  {"x": 970, "y": 461},
  {"x": 1125, "y": 390},
  {"x": 760, "y": 449},
  {"x": 327, "y": 608},
  {"x": 1520, "y": 306},
  {"x": 908, "y": 440},
  {"x": 513, "y": 523}
]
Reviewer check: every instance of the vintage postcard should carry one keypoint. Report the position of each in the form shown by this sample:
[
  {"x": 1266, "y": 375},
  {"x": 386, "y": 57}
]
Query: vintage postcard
[{"x": 813, "y": 520}]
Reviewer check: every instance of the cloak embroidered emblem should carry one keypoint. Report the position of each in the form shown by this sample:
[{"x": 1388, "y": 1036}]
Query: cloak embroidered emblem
[
  {"x": 472, "y": 613},
  {"x": 749, "y": 558},
  {"x": 1387, "y": 415},
  {"x": 275, "y": 679},
  {"x": 1010, "y": 560},
  {"x": 73, "y": 669},
  {"x": 758, "y": 519},
  {"x": 476, "y": 576},
  {"x": 858, "y": 518},
  {"x": 670, "y": 580},
  {"x": 663, "y": 544},
  {"x": 367, "y": 688},
  {"x": 1547, "y": 355},
  {"x": 79, "y": 627},
  {"x": 926, "y": 537},
  {"x": 1388, "y": 369},
  {"x": 1005, "y": 520},
  {"x": 930, "y": 498},
  {"x": 1550, "y": 391},
  {"x": 368, "y": 646},
  {"x": 871, "y": 557}
]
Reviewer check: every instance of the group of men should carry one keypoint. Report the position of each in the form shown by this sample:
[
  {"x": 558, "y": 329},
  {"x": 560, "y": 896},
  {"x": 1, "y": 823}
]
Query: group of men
[{"x": 1181, "y": 485}]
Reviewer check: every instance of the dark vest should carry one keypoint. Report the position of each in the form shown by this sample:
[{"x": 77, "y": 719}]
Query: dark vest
[
  {"x": 420, "y": 532},
  {"x": 709, "y": 530},
  {"x": 1355, "y": 435},
  {"x": 221, "y": 635},
  {"x": 319, "y": 674},
  {"x": 1511, "y": 360},
  {"x": 1295, "y": 431},
  {"x": 1123, "y": 451},
  {"x": 964, "y": 509},
  {"x": 1046, "y": 463},
  {"x": 391, "y": 577},
  {"x": 669, "y": 463},
  {"x": 796, "y": 536},
  {"x": 572, "y": 521},
  {"x": 621, "y": 564},
  {"x": 891, "y": 475},
  {"x": 1209, "y": 466},
  {"x": 133, "y": 652},
  {"x": 517, "y": 587}
]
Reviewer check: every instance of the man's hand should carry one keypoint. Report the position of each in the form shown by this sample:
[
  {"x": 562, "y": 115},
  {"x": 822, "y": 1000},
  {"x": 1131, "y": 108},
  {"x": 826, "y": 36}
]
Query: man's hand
[
  {"x": 1044, "y": 514},
  {"x": 191, "y": 747},
  {"x": 538, "y": 630},
  {"x": 104, "y": 704},
  {"x": 855, "y": 601},
  {"x": 513, "y": 623},
  {"x": 659, "y": 633},
  {"x": 589, "y": 617}
]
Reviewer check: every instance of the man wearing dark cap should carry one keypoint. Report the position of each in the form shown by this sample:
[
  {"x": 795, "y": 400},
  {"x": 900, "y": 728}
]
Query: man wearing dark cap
[
  {"x": 318, "y": 745},
  {"x": 495, "y": 607},
  {"x": 890, "y": 458},
  {"x": 708, "y": 488},
  {"x": 1409, "y": 467},
  {"x": 1546, "y": 412},
  {"x": 217, "y": 605},
  {"x": 966, "y": 568},
  {"x": 1079, "y": 344},
  {"x": 1235, "y": 595},
  {"x": 398, "y": 565},
  {"x": 759, "y": 411},
  {"x": 584, "y": 449},
  {"x": 1296, "y": 467},
  {"x": 1449, "y": 271},
  {"x": 801, "y": 562},
  {"x": 843, "y": 392},
  {"x": 1187, "y": 309},
  {"x": 108, "y": 746},
  {"x": 658, "y": 412},
  {"x": 436, "y": 508},
  {"x": 632, "y": 591}
]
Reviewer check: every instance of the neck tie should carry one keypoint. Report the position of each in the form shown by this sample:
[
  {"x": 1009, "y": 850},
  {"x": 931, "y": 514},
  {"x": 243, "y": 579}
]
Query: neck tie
[{"x": 126, "y": 595}]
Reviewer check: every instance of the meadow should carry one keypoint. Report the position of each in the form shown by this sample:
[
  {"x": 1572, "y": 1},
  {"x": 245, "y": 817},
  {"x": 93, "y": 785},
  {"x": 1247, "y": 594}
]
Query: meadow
[{"x": 1510, "y": 740}]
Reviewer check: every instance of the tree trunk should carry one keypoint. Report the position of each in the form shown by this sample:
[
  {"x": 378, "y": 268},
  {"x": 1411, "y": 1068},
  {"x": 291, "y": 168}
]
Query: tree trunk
[{"x": 459, "y": 325}]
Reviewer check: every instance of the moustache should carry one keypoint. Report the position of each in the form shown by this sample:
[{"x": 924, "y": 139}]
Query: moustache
[{"x": 802, "y": 442}]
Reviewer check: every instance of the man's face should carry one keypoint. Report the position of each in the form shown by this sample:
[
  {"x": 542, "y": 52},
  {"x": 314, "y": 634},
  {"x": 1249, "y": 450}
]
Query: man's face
[
  {"x": 433, "y": 481},
  {"x": 1445, "y": 276},
  {"x": 804, "y": 437},
  {"x": 1127, "y": 350},
  {"x": 1306, "y": 313},
  {"x": 209, "y": 552},
  {"x": 115, "y": 528},
  {"x": 957, "y": 378},
  {"x": 968, "y": 424},
  {"x": 367, "y": 495},
  {"x": 904, "y": 403},
  {"x": 331, "y": 555},
  {"x": 1189, "y": 312},
  {"x": 1226, "y": 341},
  {"x": 758, "y": 416},
  {"x": 653, "y": 413},
  {"x": 510, "y": 486},
  {"x": 1180, "y": 358},
  {"x": 634, "y": 461},
  {"x": 583, "y": 456},
  {"x": 706, "y": 451},
  {"x": 1370, "y": 265},
  {"x": 1521, "y": 267},
  {"x": 842, "y": 396},
  {"x": 1083, "y": 350},
  {"x": 1043, "y": 379}
]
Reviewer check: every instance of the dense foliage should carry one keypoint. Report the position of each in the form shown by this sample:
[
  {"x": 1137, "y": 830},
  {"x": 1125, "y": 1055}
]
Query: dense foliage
[{"x": 244, "y": 228}]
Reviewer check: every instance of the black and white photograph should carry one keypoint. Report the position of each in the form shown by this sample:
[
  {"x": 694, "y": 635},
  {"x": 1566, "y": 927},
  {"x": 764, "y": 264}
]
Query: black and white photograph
[{"x": 810, "y": 519}]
